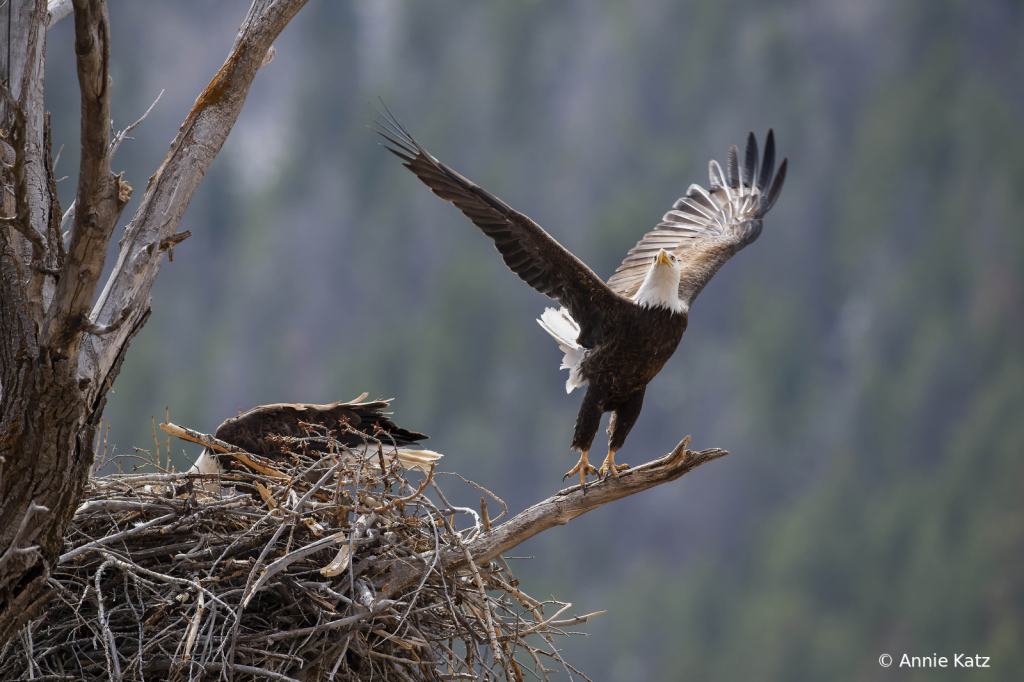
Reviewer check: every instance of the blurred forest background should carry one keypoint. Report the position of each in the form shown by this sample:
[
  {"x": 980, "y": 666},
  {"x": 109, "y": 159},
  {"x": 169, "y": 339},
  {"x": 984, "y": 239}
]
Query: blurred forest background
[{"x": 862, "y": 361}]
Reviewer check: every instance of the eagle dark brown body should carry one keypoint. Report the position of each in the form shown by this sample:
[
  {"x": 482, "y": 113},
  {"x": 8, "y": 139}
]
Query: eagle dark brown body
[
  {"x": 618, "y": 369},
  {"x": 616, "y": 335},
  {"x": 358, "y": 426},
  {"x": 250, "y": 429}
]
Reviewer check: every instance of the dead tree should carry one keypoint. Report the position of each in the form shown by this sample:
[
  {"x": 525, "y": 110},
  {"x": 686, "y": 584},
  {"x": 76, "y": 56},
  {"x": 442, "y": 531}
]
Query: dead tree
[{"x": 59, "y": 351}]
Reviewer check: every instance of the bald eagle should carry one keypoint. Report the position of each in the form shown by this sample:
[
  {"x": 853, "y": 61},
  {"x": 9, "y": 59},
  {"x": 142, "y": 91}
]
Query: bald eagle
[
  {"x": 616, "y": 336},
  {"x": 360, "y": 426}
]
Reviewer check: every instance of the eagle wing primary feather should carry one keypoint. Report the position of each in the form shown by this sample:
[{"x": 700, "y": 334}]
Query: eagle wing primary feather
[
  {"x": 526, "y": 248},
  {"x": 705, "y": 228}
]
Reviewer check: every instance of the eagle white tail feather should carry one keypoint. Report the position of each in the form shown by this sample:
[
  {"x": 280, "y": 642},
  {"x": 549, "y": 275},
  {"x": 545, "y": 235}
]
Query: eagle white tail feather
[
  {"x": 413, "y": 459},
  {"x": 565, "y": 331},
  {"x": 207, "y": 464}
]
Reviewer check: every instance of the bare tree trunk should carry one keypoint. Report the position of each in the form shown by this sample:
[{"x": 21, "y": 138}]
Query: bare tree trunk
[{"x": 59, "y": 353}]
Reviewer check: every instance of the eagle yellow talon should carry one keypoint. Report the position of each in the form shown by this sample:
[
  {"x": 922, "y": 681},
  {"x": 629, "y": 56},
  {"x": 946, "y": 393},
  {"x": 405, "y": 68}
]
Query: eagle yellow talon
[
  {"x": 583, "y": 468},
  {"x": 610, "y": 467}
]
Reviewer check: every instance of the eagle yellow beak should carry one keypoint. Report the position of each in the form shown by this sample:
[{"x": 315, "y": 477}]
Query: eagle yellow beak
[{"x": 663, "y": 257}]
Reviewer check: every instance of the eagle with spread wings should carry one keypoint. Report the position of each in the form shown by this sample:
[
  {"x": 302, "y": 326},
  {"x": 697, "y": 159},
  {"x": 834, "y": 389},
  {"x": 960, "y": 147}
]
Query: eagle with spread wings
[{"x": 616, "y": 336}]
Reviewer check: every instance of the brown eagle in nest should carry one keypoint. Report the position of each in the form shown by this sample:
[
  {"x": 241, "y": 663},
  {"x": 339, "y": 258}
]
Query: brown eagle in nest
[
  {"x": 358, "y": 426},
  {"x": 616, "y": 336}
]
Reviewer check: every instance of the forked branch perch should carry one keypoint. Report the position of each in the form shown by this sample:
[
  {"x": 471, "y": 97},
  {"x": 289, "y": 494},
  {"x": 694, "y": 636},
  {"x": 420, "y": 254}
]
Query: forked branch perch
[{"x": 557, "y": 510}]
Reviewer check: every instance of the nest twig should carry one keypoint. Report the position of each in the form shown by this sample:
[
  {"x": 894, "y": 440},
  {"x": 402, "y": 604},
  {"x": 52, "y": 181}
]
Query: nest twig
[{"x": 282, "y": 578}]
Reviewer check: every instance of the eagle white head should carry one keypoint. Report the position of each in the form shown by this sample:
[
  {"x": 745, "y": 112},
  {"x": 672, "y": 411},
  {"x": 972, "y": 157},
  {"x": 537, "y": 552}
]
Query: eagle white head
[{"x": 661, "y": 285}]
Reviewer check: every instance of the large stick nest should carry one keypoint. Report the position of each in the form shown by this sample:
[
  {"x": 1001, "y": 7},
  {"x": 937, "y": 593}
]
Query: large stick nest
[{"x": 276, "y": 576}]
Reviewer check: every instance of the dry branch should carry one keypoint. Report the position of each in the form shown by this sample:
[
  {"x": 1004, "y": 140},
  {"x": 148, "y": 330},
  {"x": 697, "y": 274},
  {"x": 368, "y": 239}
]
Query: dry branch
[
  {"x": 57, "y": 10},
  {"x": 220, "y": 446},
  {"x": 98, "y": 202},
  {"x": 558, "y": 510},
  {"x": 14, "y": 549}
]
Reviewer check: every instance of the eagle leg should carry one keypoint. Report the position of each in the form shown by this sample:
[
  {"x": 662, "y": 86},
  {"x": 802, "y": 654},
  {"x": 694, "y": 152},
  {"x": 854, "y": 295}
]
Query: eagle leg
[
  {"x": 610, "y": 467},
  {"x": 583, "y": 468}
]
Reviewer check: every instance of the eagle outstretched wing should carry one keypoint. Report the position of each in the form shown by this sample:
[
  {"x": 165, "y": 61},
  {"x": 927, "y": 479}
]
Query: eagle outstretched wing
[
  {"x": 526, "y": 248},
  {"x": 705, "y": 228}
]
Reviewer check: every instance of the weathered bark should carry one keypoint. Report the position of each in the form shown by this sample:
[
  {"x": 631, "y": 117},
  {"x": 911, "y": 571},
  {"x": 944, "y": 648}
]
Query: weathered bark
[
  {"x": 101, "y": 196},
  {"x": 59, "y": 353},
  {"x": 35, "y": 404}
]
